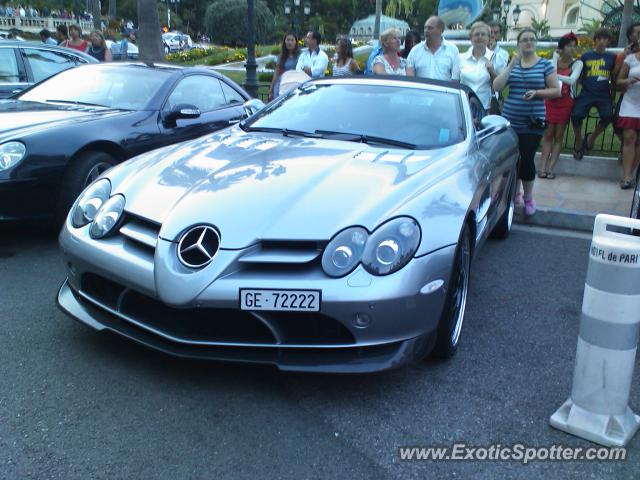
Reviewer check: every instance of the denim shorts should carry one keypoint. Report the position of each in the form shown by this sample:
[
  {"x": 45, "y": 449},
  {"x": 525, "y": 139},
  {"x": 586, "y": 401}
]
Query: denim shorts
[{"x": 584, "y": 103}]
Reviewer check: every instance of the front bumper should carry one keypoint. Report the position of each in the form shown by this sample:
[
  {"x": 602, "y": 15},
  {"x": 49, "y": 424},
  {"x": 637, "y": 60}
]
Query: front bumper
[{"x": 112, "y": 286}]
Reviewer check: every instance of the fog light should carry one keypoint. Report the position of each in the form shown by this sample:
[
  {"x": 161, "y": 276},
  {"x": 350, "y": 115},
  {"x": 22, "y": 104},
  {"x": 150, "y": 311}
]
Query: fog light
[{"x": 361, "y": 320}]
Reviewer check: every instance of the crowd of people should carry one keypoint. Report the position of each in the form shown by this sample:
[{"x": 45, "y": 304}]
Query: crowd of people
[
  {"x": 541, "y": 98},
  {"x": 11, "y": 10}
]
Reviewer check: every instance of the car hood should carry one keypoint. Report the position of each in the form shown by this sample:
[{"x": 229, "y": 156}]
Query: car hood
[
  {"x": 267, "y": 187},
  {"x": 18, "y": 118}
]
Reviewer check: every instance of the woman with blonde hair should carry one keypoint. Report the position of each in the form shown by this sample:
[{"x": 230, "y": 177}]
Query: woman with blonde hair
[
  {"x": 98, "y": 48},
  {"x": 390, "y": 63},
  {"x": 476, "y": 64}
]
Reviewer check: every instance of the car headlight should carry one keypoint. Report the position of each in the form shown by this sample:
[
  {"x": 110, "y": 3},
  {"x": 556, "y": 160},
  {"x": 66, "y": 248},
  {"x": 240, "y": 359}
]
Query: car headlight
[
  {"x": 87, "y": 206},
  {"x": 11, "y": 153},
  {"x": 343, "y": 253},
  {"x": 107, "y": 217},
  {"x": 391, "y": 246}
]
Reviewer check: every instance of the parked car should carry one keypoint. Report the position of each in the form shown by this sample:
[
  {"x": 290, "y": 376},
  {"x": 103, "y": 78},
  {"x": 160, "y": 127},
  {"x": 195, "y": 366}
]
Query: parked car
[
  {"x": 23, "y": 64},
  {"x": 317, "y": 235},
  {"x": 61, "y": 134},
  {"x": 114, "y": 47},
  {"x": 7, "y": 35},
  {"x": 176, "y": 42}
]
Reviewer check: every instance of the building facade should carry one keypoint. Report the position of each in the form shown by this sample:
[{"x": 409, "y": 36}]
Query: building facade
[
  {"x": 363, "y": 29},
  {"x": 564, "y": 16}
]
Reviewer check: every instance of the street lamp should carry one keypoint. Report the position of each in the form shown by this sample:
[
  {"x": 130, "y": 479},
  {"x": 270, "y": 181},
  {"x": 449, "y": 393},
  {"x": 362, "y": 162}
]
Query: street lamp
[
  {"x": 251, "y": 81},
  {"x": 294, "y": 10},
  {"x": 516, "y": 16},
  {"x": 169, "y": 12}
]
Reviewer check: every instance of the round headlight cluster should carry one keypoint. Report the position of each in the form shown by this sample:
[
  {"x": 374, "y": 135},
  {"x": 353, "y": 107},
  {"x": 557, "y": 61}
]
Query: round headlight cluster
[
  {"x": 386, "y": 250},
  {"x": 89, "y": 202},
  {"x": 344, "y": 252},
  {"x": 11, "y": 153},
  {"x": 96, "y": 206},
  {"x": 107, "y": 217},
  {"x": 391, "y": 246}
]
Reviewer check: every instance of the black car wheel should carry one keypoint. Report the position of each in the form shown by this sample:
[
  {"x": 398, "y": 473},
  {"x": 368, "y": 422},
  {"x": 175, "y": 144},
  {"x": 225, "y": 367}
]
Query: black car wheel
[
  {"x": 452, "y": 317},
  {"x": 505, "y": 222},
  {"x": 635, "y": 204},
  {"x": 82, "y": 171}
]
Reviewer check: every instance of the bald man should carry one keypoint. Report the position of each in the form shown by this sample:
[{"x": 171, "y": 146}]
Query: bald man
[{"x": 435, "y": 57}]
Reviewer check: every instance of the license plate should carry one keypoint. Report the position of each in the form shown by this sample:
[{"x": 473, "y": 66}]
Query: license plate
[{"x": 280, "y": 300}]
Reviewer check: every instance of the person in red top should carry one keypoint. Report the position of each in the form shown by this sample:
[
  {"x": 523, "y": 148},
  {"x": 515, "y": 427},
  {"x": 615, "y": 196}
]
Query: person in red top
[{"x": 75, "y": 40}]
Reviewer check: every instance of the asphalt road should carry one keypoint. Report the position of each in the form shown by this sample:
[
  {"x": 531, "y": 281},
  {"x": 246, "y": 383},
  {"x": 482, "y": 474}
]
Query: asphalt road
[{"x": 77, "y": 404}]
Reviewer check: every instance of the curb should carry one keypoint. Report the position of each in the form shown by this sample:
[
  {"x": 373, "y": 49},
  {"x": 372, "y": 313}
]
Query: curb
[
  {"x": 589, "y": 166},
  {"x": 557, "y": 218}
]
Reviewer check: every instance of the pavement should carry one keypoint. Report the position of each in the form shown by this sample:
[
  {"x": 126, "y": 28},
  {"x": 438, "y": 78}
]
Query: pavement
[{"x": 580, "y": 191}]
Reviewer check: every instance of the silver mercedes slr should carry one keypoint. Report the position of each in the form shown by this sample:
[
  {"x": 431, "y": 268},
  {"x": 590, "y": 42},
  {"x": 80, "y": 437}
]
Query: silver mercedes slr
[{"x": 331, "y": 231}]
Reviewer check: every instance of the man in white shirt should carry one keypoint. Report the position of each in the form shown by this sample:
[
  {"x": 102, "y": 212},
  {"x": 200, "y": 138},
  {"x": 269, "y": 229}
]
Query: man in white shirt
[
  {"x": 313, "y": 61},
  {"x": 435, "y": 57},
  {"x": 501, "y": 56}
]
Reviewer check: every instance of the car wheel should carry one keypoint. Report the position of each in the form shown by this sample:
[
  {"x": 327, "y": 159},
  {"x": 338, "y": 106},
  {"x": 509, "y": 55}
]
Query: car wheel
[
  {"x": 82, "y": 171},
  {"x": 450, "y": 324},
  {"x": 503, "y": 227},
  {"x": 635, "y": 203}
]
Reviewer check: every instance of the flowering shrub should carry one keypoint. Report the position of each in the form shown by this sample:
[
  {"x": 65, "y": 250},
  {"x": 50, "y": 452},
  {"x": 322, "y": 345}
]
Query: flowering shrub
[{"x": 188, "y": 55}]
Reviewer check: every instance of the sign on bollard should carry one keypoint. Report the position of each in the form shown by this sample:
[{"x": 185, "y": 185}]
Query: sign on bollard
[{"x": 598, "y": 409}]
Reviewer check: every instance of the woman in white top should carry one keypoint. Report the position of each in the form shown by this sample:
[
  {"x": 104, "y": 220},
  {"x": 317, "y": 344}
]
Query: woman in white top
[
  {"x": 390, "y": 63},
  {"x": 343, "y": 63},
  {"x": 476, "y": 66},
  {"x": 629, "y": 119}
]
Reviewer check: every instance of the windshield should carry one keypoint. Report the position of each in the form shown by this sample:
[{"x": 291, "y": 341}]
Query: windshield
[
  {"x": 121, "y": 88},
  {"x": 405, "y": 116}
]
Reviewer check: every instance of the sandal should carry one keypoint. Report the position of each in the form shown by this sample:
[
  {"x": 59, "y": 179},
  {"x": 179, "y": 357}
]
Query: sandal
[
  {"x": 543, "y": 174},
  {"x": 551, "y": 175},
  {"x": 578, "y": 153},
  {"x": 626, "y": 184}
]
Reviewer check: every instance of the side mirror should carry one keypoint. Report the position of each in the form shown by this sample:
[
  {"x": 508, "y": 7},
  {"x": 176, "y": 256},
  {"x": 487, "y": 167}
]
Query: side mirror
[
  {"x": 183, "y": 110},
  {"x": 252, "y": 106},
  {"x": 494, "y": 123}
]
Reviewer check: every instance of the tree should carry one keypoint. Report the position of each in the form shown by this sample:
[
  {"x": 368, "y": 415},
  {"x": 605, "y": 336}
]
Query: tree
[
  {"x": 403, "y": 8},
  {"x": 590, "y": 28},
  {"x": 95, "y": 11},
  {"x": 541, "y": 28},
  {"x": 376, "y": 24},
  {"x": 226, "y": 22},
  {"x": 112, "y": 9},
  {"x": 149, "y": 36},
  {"x": 627, "y": 19}
]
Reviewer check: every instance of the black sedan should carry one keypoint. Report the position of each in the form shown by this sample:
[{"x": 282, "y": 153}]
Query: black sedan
[
  {"x": 23, "y": 64},
  {"x": 61, "y": 134}
]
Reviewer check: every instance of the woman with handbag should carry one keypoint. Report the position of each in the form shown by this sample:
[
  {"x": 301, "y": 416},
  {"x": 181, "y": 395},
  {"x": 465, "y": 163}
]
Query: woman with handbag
[
  {"x": 559, "y": 109},
  {"x": 531, "y": 80}
]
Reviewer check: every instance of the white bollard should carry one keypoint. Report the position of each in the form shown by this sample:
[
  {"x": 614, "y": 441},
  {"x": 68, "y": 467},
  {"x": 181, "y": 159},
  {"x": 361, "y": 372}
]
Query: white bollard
[{"x": 598, "y": 409}]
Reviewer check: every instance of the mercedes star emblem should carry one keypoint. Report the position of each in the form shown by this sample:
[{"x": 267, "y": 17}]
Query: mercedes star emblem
[{"x": 198, "y": 246}]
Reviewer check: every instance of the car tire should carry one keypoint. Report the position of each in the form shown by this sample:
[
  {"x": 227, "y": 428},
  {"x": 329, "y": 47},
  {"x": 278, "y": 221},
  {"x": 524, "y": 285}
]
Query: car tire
[
  {"x": 450, "y": 325},
  {"x": 82, "y": 171},
  {"x": 503, "y": 228},
  {"x": 635, "y": 203}
]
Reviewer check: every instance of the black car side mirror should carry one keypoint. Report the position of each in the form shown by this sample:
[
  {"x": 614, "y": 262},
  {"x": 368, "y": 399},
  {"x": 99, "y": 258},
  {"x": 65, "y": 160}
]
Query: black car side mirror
[{"x": 181, "y": 111}]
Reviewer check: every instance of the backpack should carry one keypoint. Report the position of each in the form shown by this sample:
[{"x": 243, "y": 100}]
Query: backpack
[{"x": 377, "y": 50}]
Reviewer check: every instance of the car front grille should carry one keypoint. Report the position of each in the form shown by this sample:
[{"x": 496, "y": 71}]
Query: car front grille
[{"x": 214, "y": 325}]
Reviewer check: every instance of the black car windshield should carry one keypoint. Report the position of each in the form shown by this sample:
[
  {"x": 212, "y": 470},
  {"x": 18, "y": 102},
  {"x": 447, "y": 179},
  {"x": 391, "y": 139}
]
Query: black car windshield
[
  {"x": 121, "y": 88},
  {"x": 399, "y": 116}
]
